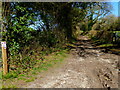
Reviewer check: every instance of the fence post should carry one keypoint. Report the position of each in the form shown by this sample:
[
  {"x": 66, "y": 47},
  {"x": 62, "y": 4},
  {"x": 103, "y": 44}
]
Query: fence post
[{"x": 4, "y": 57}]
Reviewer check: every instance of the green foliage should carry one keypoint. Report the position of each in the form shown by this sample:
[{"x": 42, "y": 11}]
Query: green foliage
[
  {"x": 18, "y": 36},
  {"x": 49, "y": 61},
  {"x": 33, "y": 30},
  {"x": 10, "y": 75},
  {"x": 107, "y": 30}
]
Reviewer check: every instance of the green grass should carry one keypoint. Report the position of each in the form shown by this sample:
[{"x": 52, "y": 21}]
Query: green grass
[
  {"x": 44, "y": 68},
  {"x": 49, "y": 61},
  {"x": 10, "y": 75},
  {"x": 30, "y": 80},
  {"x": 10, "y": 86},
  {"x": 49, "y": 65},
  {"x": 34, "y": 72},
  {"x": 21, "y": 78},
  {"x": 22, "y": 75},
  {"x": 105, "y": 45},
  {"x": 0, "y": 74}
]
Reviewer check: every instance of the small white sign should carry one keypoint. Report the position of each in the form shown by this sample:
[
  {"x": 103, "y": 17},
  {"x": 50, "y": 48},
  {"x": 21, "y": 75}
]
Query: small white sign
[{"x": 3, "y": 44}]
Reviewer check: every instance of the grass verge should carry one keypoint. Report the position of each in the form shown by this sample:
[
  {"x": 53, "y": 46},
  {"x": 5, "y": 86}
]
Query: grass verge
[{"x": 13, "y": 80}]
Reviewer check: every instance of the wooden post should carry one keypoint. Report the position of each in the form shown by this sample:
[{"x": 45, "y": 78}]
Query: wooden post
[{"x": 4, "y": 57}]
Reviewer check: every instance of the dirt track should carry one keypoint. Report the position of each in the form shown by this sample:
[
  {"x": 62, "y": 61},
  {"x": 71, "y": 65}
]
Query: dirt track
[{"x": 86, "y": 67}]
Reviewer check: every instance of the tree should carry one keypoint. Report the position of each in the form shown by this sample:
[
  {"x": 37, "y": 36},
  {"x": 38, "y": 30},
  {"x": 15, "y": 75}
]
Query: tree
[
  {"x": 95, "y": 11},
  {"x": 40, "y": 24}
]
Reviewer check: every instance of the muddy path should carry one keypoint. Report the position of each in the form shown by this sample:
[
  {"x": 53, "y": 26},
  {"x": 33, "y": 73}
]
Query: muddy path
[{"x": 86, "y": 67}]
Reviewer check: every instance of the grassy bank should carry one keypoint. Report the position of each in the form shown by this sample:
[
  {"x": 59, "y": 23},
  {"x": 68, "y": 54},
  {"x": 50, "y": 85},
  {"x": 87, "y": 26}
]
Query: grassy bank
[{"x": 12, "y": 80}]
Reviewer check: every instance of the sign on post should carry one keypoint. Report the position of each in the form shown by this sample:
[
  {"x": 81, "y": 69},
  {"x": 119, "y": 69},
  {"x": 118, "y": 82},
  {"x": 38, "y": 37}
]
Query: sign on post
[{"x": 4, "y": 57}]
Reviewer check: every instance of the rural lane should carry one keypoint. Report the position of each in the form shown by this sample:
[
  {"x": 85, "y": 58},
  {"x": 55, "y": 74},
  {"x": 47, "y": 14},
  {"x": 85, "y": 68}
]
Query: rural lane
[{"x": 86, "y": 67}]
